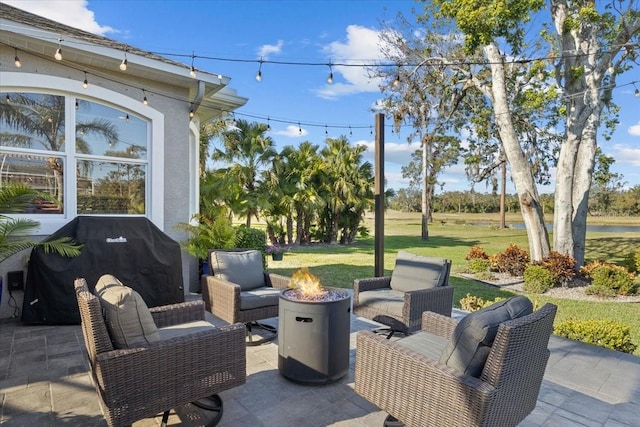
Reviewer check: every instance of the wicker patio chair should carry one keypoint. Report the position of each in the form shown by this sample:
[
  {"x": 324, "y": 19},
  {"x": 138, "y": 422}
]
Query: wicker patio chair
[
  {"x": 417, "y": 284},
  {"x": 180, "y": 367},
  {"x": 238, "y": 289},
  {"x": 408, "y": 380}
]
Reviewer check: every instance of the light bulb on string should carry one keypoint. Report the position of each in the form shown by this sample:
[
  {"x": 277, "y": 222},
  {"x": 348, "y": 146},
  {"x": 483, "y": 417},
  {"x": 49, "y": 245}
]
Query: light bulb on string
[
  {"x": 145, "y": 101},
  {"x": 58, "y": 54},
  {"x": 268, "y": 124},
  {"x": 396, "y": 81},
  {"x": 259, "y": 73},
  {"x": 192, "y": 72},
  {"x": 370, "y": 130},
  {"x": 350, "y": 131},
  {"x": 16, "y": 59},
  {"x": 8, "y": 99},
  {"x": 123, "y": 64},
  {"x": 326, "y": 131},
  {"x": 77, "y": 105},
  {"x": 191, "y": 114},
  {"x": 611, "y": 69},
  {"x": 299, "y": 129},
  {"x": 330, "y": 78},
  {"x": 127, "y": 118},
  {"x": 637, "y": 92},
  {"x": 85, "y": 83}
]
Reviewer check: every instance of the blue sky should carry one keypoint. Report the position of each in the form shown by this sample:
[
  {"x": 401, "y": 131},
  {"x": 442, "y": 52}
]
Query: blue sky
[{"x": 297, "y": 31}]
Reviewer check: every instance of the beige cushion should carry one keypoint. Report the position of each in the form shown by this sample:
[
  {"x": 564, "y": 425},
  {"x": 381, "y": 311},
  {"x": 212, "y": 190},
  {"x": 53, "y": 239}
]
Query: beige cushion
[
  {"x": 243, "y": 268},
  {"x": 182, "y": 329},
  {"x": 127, "y": 316},
  {"x": 414, "y": 272}
]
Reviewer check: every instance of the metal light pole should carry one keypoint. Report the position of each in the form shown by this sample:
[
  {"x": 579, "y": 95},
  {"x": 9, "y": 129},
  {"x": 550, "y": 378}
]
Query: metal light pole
[{"x": 379, "y": 196}]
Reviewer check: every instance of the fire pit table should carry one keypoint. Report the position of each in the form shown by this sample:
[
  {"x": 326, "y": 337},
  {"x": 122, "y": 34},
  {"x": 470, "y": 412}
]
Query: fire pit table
[{"x": 313, "y": 335}]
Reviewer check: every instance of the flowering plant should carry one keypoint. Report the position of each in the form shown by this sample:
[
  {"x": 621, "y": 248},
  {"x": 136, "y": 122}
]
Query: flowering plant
[{"x": 277, "y": 249}]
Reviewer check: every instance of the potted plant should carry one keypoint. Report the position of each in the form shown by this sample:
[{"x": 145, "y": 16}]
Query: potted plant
[{"x": 277, "y": 251}]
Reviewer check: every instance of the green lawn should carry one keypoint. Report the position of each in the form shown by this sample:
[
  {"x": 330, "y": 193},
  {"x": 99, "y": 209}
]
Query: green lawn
[{"x": 451, "y": 237}]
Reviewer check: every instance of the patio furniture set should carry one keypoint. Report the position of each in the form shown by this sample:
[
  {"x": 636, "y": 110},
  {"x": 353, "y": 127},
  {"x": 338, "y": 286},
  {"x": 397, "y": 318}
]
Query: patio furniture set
[{"x": 485, "y": 370}]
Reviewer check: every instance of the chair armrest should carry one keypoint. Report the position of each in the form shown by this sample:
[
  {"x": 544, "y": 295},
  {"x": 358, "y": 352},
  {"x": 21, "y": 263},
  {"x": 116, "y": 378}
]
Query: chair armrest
[
  {"x": 193, "y": 364},
  {"x": 174, "y": 314},
  {"x": 438, "y": 300},
  {"x": 397, "y": 379},
  {"x": 222, "y": 298},
  {"x": 370, "y": 284},
  {"x": 438, "y": 324},
  {"x": 276, "y": 280}
]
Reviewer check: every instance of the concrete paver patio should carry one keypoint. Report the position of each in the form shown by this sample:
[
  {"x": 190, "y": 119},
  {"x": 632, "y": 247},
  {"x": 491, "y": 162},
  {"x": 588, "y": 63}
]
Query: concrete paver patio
[{"x": 45, "y": 381}]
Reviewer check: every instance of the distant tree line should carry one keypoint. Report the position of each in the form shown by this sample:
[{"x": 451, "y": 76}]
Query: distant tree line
[{"x": 603, "y": 201}]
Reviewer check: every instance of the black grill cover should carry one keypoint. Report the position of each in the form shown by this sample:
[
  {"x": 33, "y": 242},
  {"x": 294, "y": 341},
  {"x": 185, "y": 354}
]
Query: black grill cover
[{"x": 131, "y": 248}]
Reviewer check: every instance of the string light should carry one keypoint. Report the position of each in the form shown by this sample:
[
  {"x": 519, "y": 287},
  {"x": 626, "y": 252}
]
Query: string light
[
  {"x": 611, "y": 69},
  {"x": 16, "y": 59},
  {"x": 299, "y": 129},
  {"x": 396, "y": 81},
  {"x": 326, "y": 131},
  {"x": 123, "y": 64},
  {"x": 126, "y": 118},
  {"x": 145, "y": 101},
  {"x": 8, "y": 99},
  {"x": 192, "y": 72},
  {"x": 330, "y": 78},
  {"x": 259, "y": 73},
  {"x": 268, "y": 124},
  {"x": 637, "y": 92},
  {"x": 77, "y": 105},
  {"x": 191, "y": 114},
  {"x": 85, "y": 83},
  {"x": 58, "y": 54}
]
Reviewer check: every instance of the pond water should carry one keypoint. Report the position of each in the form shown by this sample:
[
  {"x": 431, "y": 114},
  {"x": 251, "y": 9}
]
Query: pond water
[{"x": 595, "y": 228}]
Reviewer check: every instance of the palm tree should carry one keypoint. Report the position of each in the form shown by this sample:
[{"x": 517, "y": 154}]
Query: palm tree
[
  {"x": 346, "y": 188},
  {"x": 249, "y": 153},
  {"x": 14, "y": 198}
]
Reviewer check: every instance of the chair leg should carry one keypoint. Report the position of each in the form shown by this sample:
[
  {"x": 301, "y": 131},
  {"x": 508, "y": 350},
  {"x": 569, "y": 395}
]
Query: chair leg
[
  {"x": 392, "y": 422},
  {"x": 165, "y": 419},
  {"x": 211, "y": 403},
  {"x": 273, "y": 333}
]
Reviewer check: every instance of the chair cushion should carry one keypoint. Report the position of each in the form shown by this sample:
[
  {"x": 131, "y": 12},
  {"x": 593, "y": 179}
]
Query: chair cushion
[
  {"x": 471, "y": 341},
  {"x": 128, "y": 318},
  {"x": 429, "y": 345},
  {"x": 384, "y": 299},
  {"x": 244, "y": 268},
  {"x": 413, "y": 272},
  {"x": 264, "y": 296},
  {"x": 182, "y": 329}
]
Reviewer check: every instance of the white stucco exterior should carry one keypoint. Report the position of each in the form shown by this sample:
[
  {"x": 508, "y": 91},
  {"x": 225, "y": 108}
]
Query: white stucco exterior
[{"x": 173, "y": 157}]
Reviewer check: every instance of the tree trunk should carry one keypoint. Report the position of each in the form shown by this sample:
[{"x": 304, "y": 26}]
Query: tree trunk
[
  {"x": 425, "y": 189},
  {"x": 503, "y": 193},
  {"x": 520, "y": 168},
  {"x": 289, "y": 229}
]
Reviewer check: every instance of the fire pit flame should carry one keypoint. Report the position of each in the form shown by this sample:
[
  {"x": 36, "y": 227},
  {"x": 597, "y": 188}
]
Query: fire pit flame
[
  {"x": 307, "y": 285},
  {"x": 304, "y": 286}
]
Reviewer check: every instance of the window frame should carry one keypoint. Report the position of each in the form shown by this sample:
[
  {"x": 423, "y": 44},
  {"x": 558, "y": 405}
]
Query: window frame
[{"x": 72, "y": 90}]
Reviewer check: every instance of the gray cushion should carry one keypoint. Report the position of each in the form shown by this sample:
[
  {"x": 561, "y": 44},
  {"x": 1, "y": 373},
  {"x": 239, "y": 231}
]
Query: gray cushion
[
  {"x": 430, "y": 345},
  {"x": 264, "y": 296},
  {"x": 183, "y": 329},
  {"x": 471, "y": 341},
  {"x": 385, "y": 300},
  {"x": 243, "y": 268},
  {"x": 413, "y": 272},
  {"x": 128, "y": 318}
]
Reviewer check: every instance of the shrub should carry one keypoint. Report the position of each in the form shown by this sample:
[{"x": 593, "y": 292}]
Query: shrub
[
  {"x": 252, "y": 238},
  {"x": 637, "y": 258},
  {"x": 476, "y": 252},
  {"x": 561, "y": 266},
  {"x": 474, "y": 303},
  {"x": 513, "y": 260},
  {"x": 603, "y": 332},
  {"x": 479, "y": 265},
  {"x": 587, "y": 269},
  {"x": 600, "y": 291},
  {"x": 538, "y": 279},
  {"x": 614, "y": 277},
  {"x": 632, "y": 261}
]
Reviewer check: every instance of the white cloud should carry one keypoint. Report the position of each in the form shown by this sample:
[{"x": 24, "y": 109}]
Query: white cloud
[
  {"x": 361, "y": 46},
  {"x": 394, "y": 152},
  {"x": 74, "y": 13},
  {"x": 626, "y": 155},
  {"x": 291, "y": 132},
  {"x": 268, "y": 49},
  {"x": 634, "y": 130}
]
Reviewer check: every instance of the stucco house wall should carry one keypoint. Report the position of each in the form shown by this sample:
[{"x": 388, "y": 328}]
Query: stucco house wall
[{"x": 171, "y": 92}]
